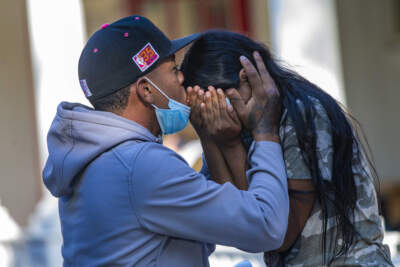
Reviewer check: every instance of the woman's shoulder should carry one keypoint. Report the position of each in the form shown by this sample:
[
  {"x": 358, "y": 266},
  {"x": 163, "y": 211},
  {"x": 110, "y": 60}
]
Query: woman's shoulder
[
  {"x": 295, "y": 164},
  {"x": 318, "y": 112}
]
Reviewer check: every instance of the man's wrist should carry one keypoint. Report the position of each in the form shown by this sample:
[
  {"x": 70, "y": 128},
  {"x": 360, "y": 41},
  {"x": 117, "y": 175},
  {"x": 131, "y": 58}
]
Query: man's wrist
[
  {"x": 266, "y": 132},
  {"x": 231, "y": 143},
  {"x": 266, "y": 137}
]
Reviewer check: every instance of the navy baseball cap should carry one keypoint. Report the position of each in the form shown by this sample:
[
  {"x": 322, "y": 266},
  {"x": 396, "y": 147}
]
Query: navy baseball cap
[{"x": 118, "y": 54}]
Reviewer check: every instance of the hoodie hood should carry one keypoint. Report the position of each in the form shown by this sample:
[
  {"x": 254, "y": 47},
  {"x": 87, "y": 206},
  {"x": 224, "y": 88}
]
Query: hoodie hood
[{"x": 78, "y": 134}]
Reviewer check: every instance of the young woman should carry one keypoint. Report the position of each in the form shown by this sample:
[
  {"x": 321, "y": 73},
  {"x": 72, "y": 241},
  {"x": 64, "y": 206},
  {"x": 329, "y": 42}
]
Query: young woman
[{"x": 334, "y": 218}]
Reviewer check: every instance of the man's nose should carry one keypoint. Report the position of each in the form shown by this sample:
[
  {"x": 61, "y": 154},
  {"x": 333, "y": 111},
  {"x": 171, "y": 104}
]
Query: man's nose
[{"x": 181, "y": 77}]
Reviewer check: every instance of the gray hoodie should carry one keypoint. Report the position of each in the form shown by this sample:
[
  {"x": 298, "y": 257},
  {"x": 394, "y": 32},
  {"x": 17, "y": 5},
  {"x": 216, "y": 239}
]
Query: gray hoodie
[{"x": 126, "y": 200}]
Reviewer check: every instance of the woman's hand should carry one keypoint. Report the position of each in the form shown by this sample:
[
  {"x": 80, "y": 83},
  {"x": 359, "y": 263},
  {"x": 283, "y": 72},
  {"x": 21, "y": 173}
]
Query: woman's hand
[{"x": 219, "y": 118}]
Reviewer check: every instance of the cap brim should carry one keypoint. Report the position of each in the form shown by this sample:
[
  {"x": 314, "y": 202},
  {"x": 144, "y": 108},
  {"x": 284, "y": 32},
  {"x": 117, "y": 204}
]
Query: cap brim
[{"x": 180, "y": 43}]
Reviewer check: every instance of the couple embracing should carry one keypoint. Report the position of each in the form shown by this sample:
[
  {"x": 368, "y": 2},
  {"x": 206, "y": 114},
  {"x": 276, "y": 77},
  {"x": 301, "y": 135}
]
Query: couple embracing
[{"x": 283, "y": 172}]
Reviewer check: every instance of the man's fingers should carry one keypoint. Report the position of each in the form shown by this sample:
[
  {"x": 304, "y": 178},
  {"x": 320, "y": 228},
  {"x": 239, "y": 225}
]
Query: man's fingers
[
  {"x": 265, "y": 77},
  {"x": 237, "y": 103},
  {"x": 252, "y": 75}
]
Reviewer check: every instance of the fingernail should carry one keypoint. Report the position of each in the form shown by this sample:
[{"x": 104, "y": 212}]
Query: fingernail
[
  {"x": 243, "y": 58},
  {"x": 256, "y": 54},
  {"x": 219, "y": 91},
  {"x": 208, "y": 94}
]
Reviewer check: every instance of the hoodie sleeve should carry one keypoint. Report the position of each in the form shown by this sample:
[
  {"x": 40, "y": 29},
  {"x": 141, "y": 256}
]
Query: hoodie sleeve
[{"x": 170, "y": 198}]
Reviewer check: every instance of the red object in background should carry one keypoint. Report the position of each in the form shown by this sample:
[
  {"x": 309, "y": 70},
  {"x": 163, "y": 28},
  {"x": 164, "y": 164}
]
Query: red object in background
[
  {"x": 240, "y": 16},
  {"x": 204, "y": 18},
  {"x": 133, "y": 6},
  {"x": 231, "y": 15},
  {"x": 244, "y": 15}
]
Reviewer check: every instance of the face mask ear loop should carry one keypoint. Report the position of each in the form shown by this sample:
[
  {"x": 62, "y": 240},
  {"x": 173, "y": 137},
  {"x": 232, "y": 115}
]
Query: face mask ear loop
[{"x": 155, "y": 86}]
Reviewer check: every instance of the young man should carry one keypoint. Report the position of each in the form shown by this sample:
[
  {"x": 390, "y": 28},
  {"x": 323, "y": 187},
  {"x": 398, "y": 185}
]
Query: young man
[{"x": 124, "y": 198}]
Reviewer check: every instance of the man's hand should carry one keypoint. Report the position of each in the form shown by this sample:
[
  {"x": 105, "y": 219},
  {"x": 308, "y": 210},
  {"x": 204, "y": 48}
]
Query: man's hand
[
  {"x": 262, "y": 112},
  {"x": 220, "y": 120}
]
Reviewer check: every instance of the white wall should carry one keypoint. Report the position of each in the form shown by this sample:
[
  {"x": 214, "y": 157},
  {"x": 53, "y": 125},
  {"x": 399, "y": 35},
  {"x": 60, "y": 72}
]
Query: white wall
[
  {"x": 304, "y": 35},
  {"x": 351, "y": 49},
  {"x": 57, "y": 38}
]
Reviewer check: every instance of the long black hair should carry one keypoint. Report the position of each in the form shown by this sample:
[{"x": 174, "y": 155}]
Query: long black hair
[{"x": 214, "y": 60}]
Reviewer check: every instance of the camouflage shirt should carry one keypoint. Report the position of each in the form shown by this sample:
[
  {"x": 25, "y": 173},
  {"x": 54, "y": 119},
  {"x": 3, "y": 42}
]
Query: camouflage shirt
[{"x": 368, "y": 249}]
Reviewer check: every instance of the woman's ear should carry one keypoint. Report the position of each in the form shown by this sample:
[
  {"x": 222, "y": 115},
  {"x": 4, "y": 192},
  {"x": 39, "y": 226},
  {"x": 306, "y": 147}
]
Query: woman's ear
[
  {"x": 244, "y": 87},
  {"x": 143, "y": 92},
  {"x": 242, "y": 75}
]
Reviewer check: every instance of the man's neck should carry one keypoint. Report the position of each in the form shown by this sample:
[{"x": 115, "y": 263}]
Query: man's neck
[{"x": 144, "y": 118}]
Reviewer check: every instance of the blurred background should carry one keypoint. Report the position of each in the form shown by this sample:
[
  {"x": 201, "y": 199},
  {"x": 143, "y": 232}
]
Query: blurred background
[{"x": 349, "y": 48}]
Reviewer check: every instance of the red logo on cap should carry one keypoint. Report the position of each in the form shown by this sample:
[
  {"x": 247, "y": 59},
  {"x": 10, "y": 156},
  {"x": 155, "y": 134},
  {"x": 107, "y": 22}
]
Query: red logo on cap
[{"x": 146, "y": 57}]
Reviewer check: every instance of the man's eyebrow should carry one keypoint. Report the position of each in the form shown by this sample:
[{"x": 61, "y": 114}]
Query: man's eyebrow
[{"x": 170, "y": 58}]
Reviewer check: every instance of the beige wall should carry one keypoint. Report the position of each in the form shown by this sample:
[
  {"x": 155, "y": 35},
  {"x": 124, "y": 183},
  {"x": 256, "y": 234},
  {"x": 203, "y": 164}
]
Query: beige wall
[
  {"x": 99, "y": 12},
  {"x": 19, "y": 163},
  {"x": 260, "y": 21},
  {"x": 370, "y": 47}
]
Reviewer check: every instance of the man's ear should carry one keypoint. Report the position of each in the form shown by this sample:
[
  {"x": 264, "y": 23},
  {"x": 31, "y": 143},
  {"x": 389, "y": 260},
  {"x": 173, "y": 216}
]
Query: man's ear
[{"x": 143, "y": 92}]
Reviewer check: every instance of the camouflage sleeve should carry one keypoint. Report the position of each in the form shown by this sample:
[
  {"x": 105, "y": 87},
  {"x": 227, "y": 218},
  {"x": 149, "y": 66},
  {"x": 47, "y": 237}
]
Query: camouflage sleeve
[{"x": 296, "y": 167}]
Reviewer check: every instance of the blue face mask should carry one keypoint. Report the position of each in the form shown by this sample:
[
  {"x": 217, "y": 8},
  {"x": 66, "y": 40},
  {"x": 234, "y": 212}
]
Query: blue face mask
[{"x": 175, "y": 118}]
